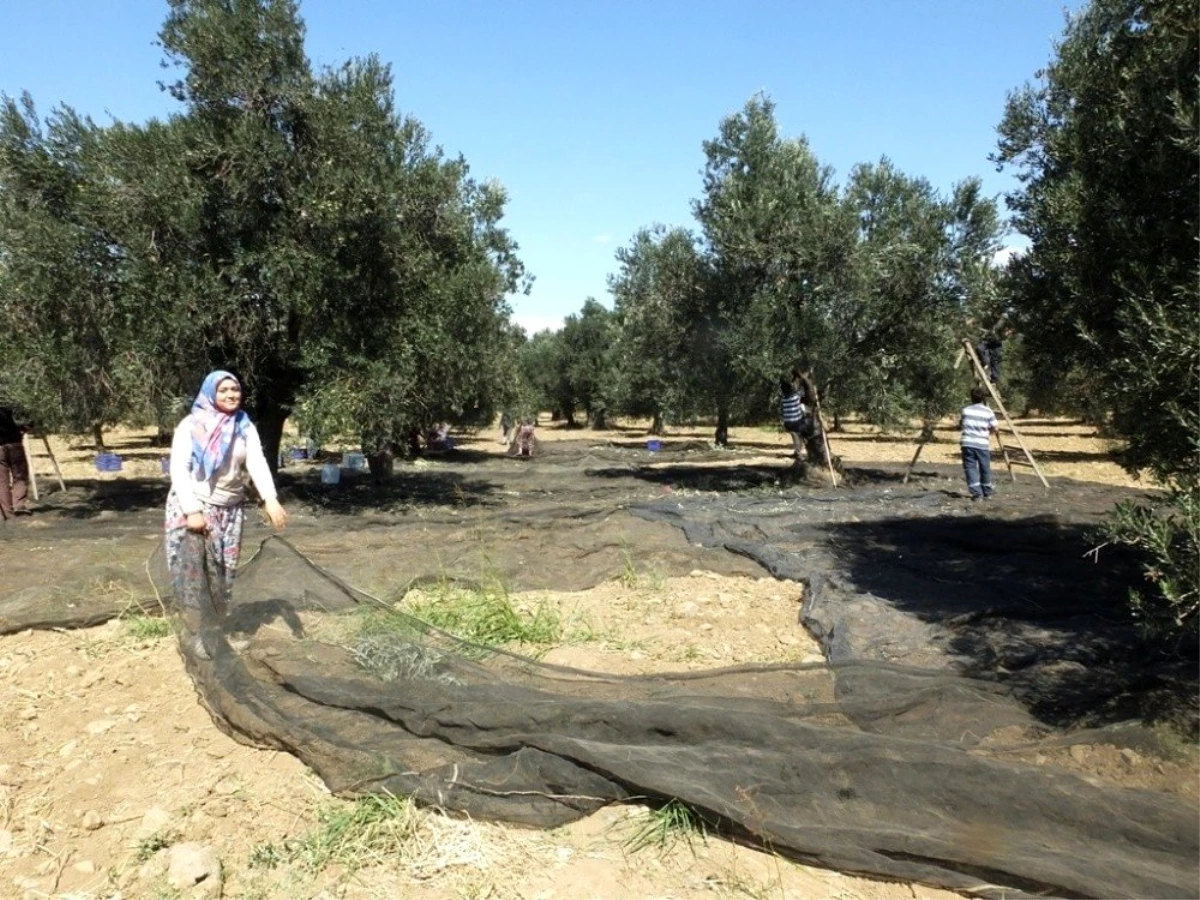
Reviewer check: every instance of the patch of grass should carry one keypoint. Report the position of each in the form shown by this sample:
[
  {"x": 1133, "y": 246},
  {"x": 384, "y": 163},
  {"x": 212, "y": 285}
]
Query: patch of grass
[
  {"x": 686, "y": 653},
  {"x": 666, "y": 825},
  {"x": 377, "y": 828},
  {"x": 268, "y": 856},
  {"x": 488, "y": 616},
  {"x": 148, "y": 846},
  {"x": 633, "y": 578},
  {"x": 391, "y": 656},
  {"x": 734, "y": 884},
  {"x": 164, "y": 890},
  {"x": 629, "y": 572},
  {"x": 611, "y": 640},
  {"x": 146, "y": 628},
  {"x": 580, "y": 631}
]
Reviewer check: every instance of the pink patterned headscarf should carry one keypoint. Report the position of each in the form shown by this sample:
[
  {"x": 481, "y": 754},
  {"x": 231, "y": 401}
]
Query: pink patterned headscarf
[{"x": 212, "y": 430}]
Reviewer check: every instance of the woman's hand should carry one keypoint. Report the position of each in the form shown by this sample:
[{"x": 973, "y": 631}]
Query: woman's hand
[
  {"x": 196, "y": 523},
  {"x": 276, "y": 514}
]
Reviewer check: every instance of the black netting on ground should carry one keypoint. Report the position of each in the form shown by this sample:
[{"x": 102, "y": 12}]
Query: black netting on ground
[
  {"x": 966, "y": 653},
  {"x": 861, "y": 766}
]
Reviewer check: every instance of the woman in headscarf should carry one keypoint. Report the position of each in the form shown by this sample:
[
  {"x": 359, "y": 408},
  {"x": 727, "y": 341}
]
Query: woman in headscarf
[{"x": 214, "y": 449}]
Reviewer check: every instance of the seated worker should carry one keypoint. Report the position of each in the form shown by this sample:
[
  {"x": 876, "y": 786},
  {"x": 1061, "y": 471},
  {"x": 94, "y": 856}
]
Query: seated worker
[
  {"x": 438, "y": 439},
  {"x": 525, "y": 442}
]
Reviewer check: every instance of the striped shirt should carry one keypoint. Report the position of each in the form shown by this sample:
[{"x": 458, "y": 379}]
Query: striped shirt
[
  {"x": 793, "y": 409},
  {"x": 978, "y": 422}
]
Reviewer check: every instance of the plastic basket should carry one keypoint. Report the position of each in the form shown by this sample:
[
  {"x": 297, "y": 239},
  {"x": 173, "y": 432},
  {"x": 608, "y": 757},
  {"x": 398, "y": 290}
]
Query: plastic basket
[
  {"x": 653, "y": 446},
  {"x": 330, "y": 474},
  {"x": 354, "y": 461},
  {"x": 108, "y": 462},
  {"x": 299, "y": 453}
]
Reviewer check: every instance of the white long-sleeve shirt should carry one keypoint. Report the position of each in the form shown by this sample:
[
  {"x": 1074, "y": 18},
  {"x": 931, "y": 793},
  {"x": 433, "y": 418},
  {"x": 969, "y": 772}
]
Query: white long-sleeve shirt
[
  {"x": 977, "y": 423},
  {"x": 227, "y": 485}
]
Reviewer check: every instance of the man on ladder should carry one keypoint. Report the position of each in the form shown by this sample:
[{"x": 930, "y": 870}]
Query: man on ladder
[{"x": 987, "y": 384}]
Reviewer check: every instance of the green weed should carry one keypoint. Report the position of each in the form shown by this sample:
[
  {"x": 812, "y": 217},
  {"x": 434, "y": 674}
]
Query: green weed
[
  {"x": 487, "y": 616},
  {"x": 146, "y": 628},
  {"x": 164, "y": 890},
  {"x": 374, "y": 829},
  {"x": 633, "y": 578},
  {"x": 665, "y": 826},
  {"x": 268, "y": 856},
  {"x": 148, "y": 846}
]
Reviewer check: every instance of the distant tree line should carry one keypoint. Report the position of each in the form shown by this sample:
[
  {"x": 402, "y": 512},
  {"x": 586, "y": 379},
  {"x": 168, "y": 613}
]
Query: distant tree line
[{"x": 870, "y": 285}]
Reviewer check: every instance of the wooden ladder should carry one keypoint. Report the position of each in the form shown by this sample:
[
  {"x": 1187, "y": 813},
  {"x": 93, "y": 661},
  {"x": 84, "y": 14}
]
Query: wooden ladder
[
  {"x": 29, "y": 459},
  {"x": 1007, "y": 451}
]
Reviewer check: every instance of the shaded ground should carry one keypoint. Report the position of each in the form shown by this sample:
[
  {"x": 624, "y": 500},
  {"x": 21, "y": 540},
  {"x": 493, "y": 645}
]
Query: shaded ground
[{"x": 885, "y": 571}]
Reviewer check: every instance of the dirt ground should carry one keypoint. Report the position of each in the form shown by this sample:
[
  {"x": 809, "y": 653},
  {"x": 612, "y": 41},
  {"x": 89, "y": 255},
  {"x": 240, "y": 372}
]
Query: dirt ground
[{"x": 107, "y": 757}]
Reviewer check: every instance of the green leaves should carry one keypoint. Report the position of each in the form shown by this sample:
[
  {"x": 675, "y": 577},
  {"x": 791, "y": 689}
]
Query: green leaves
[
  {"x": 288, "y": 226},
  {"x": 1106, "y": 150}
]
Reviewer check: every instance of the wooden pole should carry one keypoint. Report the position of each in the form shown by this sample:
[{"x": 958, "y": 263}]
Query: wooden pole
[
  {"x": 29, "y": 465},
  {"x": 825, "y": 439},
  {"x": 926, "y": 437},
  {"x": 62, "y": 486}
]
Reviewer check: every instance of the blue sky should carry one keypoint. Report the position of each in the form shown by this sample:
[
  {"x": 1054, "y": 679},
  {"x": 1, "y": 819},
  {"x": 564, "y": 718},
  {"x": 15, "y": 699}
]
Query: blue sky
[{"x": 592, "y": 114}]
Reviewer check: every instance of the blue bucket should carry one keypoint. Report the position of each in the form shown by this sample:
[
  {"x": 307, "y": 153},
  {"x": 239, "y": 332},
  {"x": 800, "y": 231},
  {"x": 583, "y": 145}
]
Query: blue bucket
[{"x": 654, "y": 446}]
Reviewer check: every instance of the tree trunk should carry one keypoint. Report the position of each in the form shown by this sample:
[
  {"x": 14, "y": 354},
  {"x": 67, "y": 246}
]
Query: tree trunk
[
  {"x": 656, "y": 424},
  {"x": 814, "y": 443},
  {"x": 98, "y": 437},
  {"x": 269, "y": 423},
  {"x": 381, "y": 463}
]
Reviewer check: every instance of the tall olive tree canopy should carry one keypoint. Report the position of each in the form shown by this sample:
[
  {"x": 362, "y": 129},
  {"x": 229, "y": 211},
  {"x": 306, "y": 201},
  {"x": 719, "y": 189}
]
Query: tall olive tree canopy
[
  {"x": 1104, "y": 145},
  {"x": 289, "y": 226},
  {"x": 73, "y": 350},
  {"x": 1106, "y": 148},
  {"x": 872, "y": 283},
  {"x": 658, "y": 290}
]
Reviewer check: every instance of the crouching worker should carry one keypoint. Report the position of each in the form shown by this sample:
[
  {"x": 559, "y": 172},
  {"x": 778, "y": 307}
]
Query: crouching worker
[
  {"x": 214, "y": 449},
  {"x": 438, "y": 440},
  {"x": 978, "y": 424}
]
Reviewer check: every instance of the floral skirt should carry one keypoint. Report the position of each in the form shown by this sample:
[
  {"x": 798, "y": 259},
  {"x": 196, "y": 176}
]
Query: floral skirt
[{"x": 202, "y": 566}]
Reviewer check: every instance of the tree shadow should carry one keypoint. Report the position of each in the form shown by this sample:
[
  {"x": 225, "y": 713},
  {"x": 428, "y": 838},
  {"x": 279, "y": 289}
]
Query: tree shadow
[
  {"x": 1072, "y": 456},
  {"x": 357, "y": 492},
  {"x": 1025, "y": 603},
  {"x": 86, "y": 498},
  {"x": 720, "y": 479}
]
